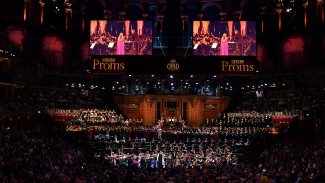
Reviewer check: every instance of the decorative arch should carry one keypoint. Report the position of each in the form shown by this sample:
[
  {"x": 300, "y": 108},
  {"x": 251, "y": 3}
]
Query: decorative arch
[
  {"x": 133, "y": 11},
  {"x": 211, "y": 11},
  {"x": 134, "y": 4},
  {"x": 102, "y": 2},
  {"x": 211, "y": 4},
  {"x": 96, "y": 9}
]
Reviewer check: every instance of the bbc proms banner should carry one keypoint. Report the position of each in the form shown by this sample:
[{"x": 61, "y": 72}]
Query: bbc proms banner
[{"x": 159, "y": 64}]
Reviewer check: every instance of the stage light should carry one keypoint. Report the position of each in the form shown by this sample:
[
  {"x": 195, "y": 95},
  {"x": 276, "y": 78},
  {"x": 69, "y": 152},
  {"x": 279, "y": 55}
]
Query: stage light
[
  {"x": 152, "y": 75},
  {"x": 265, "y": 84},
  {"x": 257, "y": 71},
  {"x": 171, "y": 84},
  {"x": 116, "y": 82},
  {"x": 227, "y": 83},
  {"x": 196, "y": 83},
  {"x": 214, "y": 76},
  {"x": 130, "y": 75},
  {"x": 171, "y": 76},
  {"x": 103, "y": 88},
  {"x": 158, "y": 83},
  {"x": 147, "y": 83},
  {"x": 191, "y": 76},
  {"x": 186, "y": 83},
  {"x": 242, "y": 88}
]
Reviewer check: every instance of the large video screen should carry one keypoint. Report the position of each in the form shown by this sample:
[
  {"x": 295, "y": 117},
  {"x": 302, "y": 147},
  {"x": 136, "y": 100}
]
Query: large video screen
[
  {"x": 120, "y": 37},
  {"x": 224, "y": 38}
]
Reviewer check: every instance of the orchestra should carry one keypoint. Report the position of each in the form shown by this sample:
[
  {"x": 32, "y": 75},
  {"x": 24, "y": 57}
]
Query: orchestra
[
  {"x": 117, "y": 42},
  {"x": 223, "y": 43}
]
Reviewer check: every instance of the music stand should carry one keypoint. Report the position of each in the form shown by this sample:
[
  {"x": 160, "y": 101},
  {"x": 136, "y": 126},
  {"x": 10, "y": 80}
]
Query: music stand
[
  {"x": 214, "y": 45},
  {"x": 92, "y": 46},
  {"x": 110, "y": 45}
]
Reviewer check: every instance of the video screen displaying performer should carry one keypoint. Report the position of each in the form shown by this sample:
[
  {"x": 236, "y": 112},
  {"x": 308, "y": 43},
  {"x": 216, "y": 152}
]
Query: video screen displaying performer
[
  {"x": 224, "y": 38},
  {"x": 120, "y": 37}
]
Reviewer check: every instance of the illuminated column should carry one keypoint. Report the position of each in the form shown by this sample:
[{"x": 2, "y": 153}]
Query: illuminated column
[
  {"x": 205, "y": 26},
  {"x": 196, "y": 26},
  {"x": 243, "y": 25},
  {"x": 140, "y": 27},
  {"x": 83, "y": 12},
  {"x": 127, "y": 27},
  {"x": 184, "y": 20},
  {"x": 305, "y": 5},
  {"x": 25, "y": 11},
  {"x": 279, "y": 11},
  {"x": 68, "y": 14},
  {"x": 263, "y": 12},
  {"x": 230, "y": 28},
  {"x": 42, "y": 4}
]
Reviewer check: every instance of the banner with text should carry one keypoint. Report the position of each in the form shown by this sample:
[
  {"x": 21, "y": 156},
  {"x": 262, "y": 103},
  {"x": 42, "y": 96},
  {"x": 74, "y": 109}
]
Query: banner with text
[{"x": 177, "y": 64}]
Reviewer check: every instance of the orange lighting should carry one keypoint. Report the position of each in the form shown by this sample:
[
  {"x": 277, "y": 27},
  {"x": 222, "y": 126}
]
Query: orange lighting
[
  {"x": 42, "y": 12},
  {"x": 305, "y": 18},
  {"x": 83, "y": 24},
  {"x": 280, "y": 22},
  {"x": 42, "y": 4},
  {"x": 262, "y": 25},
  {"x": 305, "y": 5},
  {"x": 25, "y": 11}
]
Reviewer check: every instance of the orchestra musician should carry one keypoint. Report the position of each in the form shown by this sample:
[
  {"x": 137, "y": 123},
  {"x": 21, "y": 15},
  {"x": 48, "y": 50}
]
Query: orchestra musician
[
  {"x": 135, "y": 38},
  {"x": 99, "y": 48},
  {"x": 238, "y": 38}
]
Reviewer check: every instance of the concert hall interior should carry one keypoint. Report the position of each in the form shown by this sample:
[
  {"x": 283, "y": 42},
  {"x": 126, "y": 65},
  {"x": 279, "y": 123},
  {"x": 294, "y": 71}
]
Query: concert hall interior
[{"x": 162, "y": 91}]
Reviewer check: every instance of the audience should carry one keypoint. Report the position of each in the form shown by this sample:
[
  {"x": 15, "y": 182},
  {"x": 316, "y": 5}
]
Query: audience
[{"x": 38, "y": 155}]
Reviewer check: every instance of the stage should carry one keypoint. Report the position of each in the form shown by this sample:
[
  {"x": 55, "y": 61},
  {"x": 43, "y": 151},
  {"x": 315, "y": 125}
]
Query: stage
[{"x": 193, "y": 109}]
